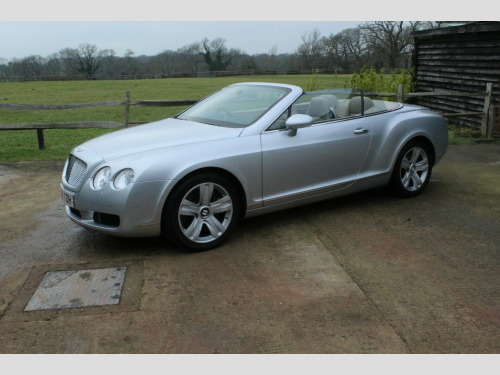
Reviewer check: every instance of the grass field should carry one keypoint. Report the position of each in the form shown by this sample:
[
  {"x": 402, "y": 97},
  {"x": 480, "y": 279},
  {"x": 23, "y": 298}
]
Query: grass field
[{"x": 23, "y": 145}]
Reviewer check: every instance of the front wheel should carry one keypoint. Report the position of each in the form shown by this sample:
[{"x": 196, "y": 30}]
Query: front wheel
[
  {"x": 202, "y": 212},
  {"x": 412, "y": 170}
]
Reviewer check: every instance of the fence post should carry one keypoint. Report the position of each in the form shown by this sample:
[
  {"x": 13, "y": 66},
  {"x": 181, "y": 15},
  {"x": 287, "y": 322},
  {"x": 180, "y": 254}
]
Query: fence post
[
  {"x": 496, "y": 126},
  {"x": 41, "y": 139},
  {"x": 491, "y": 123},
  {"x": 127, "y": 108},
  {"x": 401, "y": 93},
  {"x": 486, "y": 109}
]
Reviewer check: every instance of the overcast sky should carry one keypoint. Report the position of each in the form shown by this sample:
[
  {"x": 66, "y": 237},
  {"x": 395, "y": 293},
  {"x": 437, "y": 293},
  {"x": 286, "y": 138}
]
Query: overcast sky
[
  {"x": 43, "y": 27},
  {"x": 21, "y": 39}
]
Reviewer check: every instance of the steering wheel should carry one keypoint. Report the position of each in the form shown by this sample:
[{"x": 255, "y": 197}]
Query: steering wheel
[{"x": 224, "y": 112}]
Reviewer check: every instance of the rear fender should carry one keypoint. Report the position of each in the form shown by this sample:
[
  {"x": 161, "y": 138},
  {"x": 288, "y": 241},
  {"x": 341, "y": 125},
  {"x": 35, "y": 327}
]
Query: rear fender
[{"x": 392, "y": 132}]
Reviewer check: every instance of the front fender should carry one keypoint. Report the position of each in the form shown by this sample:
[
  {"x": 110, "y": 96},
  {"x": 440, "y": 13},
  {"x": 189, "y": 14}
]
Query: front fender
[{"x": 239, "y": 156}]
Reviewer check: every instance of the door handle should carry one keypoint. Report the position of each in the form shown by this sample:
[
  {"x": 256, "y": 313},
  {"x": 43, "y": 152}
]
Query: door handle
[{"x": 360, "y": 131}]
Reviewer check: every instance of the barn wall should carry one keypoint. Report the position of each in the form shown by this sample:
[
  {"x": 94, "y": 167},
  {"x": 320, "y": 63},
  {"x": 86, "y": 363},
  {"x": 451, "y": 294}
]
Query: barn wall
[{"x": 462, "y": 58}]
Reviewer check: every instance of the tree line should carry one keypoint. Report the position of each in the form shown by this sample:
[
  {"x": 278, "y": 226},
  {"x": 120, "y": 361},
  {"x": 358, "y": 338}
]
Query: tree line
[{"x": 381, "y": 44}]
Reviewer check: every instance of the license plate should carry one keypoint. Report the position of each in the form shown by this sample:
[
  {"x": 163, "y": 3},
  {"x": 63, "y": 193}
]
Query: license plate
[{"x": 68, "y": 198}]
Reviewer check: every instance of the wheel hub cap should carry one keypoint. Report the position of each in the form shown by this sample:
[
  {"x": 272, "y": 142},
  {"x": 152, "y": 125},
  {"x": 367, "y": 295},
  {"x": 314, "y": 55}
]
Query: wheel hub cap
[{"x": 204, "y": 212}]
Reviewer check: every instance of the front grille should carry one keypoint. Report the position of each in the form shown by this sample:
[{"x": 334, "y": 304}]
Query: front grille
[
  {"x": 107, "y": 219},
  {"x": 75, "y": 171}
]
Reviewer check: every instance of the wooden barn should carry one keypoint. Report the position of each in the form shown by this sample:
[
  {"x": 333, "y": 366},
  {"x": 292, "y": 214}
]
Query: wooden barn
[{"x": 459, "y": 58}]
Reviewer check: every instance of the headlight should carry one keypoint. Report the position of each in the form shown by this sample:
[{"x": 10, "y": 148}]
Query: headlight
[
  {"x": 101, "y": 178},
  {"x": 124, "y": 179}
]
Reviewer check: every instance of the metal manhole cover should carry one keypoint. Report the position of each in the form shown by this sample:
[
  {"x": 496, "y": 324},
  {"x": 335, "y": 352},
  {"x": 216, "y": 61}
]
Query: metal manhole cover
[{"x": 78, "y": 288}]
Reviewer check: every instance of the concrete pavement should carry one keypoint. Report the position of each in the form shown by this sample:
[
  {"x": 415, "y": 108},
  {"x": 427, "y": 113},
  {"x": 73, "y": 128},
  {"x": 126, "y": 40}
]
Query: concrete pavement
[{"x": 368, "y": 273}]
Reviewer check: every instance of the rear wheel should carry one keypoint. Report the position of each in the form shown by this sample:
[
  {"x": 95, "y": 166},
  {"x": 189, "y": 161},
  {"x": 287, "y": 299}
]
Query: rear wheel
[
  {"x": 202, "y": 212},
  {"x": 412, "y": 170}
]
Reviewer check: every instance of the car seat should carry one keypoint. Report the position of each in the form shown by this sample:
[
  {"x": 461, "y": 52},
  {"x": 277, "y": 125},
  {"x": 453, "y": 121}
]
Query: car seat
[{"x": 355, "y": 105}]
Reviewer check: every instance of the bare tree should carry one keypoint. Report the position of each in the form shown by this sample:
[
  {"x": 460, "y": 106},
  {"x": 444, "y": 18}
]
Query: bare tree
[
  {"x": 273, "y": 57},
  {"x": 346, "y": 50},
  {"x": 86, "y": 59},
  {"x": 242, "y": 61},
  {"x": 4, "y": 69},
  {"x": 30, "y": 67},
  {"x": 166, "y": 63},
  {"x": 109, "y": 64},
  {"x": 391, "y": 41},
  {"x": 129, "y": 64},
  {"x": 269, "y": 61},
  {"x": 311, "y": 49},
  {"x": 67, "y": 58},
  {"x": 52, "y": 66},
  {"x": 189, "y": 56}
]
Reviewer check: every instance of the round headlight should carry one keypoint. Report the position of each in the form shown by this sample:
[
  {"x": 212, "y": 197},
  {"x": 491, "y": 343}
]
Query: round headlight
[
  {"x": 101, "y": 178},
  {"x": 124, "y": 179}
]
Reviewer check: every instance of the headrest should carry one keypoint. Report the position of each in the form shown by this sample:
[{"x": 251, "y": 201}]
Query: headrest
[
  {"x": 332, "y": 99},
  {"x": 318, "y": 107},
  {"x": 355, "y": 105}
]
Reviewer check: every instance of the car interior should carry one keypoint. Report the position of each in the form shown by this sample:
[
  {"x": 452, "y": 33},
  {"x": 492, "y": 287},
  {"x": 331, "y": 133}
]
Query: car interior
[{"x": 327, "y": 107}]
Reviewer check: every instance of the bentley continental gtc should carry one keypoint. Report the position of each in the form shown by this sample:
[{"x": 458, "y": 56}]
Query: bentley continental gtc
[{"x": 246, "y": 150}]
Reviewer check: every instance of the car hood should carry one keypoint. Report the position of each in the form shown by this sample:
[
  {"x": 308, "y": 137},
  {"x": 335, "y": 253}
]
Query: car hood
[{"x": 166, "y": 133}]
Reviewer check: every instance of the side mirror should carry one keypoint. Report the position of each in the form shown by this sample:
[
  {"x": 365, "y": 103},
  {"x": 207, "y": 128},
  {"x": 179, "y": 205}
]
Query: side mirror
[{"x": 296, "y": 122}]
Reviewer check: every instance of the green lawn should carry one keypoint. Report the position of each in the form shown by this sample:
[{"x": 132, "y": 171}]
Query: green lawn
[{"x": 23, "y": 145}]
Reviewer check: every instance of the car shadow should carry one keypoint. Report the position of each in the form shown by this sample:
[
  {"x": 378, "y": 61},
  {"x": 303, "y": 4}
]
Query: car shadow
[
  {"x": 96, "y": 244},
  {"x": 371, "y": 198}
]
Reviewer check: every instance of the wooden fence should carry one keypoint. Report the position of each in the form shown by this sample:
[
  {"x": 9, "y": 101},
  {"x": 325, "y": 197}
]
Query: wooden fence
[
  {"x": 127, "y": 103},
  {"x": 487, "y": 114},
  {"x": 487, "y": 128},
  {"x": 221, "y": 73}
]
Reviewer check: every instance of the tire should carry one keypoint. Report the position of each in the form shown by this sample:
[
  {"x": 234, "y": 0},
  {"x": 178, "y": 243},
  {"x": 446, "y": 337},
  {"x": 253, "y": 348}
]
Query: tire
[
  {"x": 412, "y": 170},
  {"x": 202, "y": 212}
]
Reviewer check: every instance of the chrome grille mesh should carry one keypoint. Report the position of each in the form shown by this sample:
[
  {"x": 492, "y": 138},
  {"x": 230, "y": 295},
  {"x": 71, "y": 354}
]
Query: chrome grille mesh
[{"x": 75, "y": 171}]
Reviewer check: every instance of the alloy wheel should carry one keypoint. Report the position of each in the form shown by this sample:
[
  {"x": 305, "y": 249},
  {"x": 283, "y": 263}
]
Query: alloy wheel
[
  {"x": 414, "y": 169},
  {"x": 205, "y": 212}
]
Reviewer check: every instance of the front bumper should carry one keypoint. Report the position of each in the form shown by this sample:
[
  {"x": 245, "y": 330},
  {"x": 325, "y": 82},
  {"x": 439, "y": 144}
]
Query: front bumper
[{"x": 132, "y": 212}]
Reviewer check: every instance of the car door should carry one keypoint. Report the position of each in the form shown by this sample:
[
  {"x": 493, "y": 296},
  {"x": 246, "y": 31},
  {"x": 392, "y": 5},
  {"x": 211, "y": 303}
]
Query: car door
[{"x": 319, "y": 159}]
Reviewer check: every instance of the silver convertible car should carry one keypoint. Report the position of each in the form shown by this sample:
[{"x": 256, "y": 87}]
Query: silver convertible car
[{"x": 246, "y": 150}]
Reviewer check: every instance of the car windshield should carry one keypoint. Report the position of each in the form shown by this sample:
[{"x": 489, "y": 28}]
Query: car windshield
[{"x": 235, "y": 106}]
